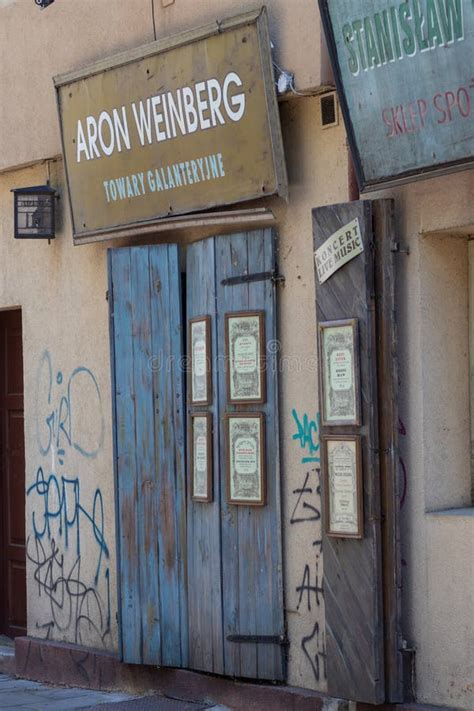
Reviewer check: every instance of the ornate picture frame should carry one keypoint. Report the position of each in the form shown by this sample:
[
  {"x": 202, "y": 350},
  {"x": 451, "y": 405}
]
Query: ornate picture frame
[
  {"x": 245, "y": 357},
  {"x": 339, "y": 372},
  {"x": 201, "y": 464},
  {"x": 199, "y": 349},
  {"x": 245, "y": 458},
  {"x": 343, "y": 485}
]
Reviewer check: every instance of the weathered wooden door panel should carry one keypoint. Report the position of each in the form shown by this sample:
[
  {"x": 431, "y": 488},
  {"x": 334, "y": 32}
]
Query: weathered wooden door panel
[
  {"x": 251, "y": 536},
  {"x": 234, "y": 552},
  {"x": 12, "y": 478},
  {"x": 225, "y": 585},
  {"x": 353, "y": 568},
  {"x": 146, "y": 335},
  {"x": 206, "y": 646}
]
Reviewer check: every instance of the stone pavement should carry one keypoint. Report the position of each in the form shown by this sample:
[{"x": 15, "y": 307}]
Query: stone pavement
[
  {"x": 20, "y": 694},
  {"x": 23, "y": 695}
]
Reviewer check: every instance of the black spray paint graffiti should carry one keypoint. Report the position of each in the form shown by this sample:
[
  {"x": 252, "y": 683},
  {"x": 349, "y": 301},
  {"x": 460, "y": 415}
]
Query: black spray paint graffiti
[
  {"x": 71, "y": 601},
  {"x": 317, "y": 656},
  {"x": 307, "y": 588},
  {"x": 306, "y": 512},
  {"x": 67, "y": 532}
]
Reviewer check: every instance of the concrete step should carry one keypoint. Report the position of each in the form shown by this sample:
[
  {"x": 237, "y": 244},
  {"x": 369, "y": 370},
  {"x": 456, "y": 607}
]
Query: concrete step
[{"x": 7, "y": 658}]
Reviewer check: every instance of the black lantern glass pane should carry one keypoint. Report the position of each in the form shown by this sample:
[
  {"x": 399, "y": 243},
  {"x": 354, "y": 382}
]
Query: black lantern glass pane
[{"x": 34, "y": 214}]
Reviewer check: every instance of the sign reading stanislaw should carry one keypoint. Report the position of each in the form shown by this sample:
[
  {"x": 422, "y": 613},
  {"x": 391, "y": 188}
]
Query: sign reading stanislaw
[
  {"x": 406, "y": 80},
  {"x": 172, "y": 127}
]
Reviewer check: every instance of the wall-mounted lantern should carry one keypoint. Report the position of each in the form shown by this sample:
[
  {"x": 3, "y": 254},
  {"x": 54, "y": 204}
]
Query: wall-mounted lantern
[
  {"x": 44, "y": 3},
  {"x": 34, "y": 212}
]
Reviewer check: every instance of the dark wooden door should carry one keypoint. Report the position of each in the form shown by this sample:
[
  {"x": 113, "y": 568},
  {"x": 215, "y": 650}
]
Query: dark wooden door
[
  {"x": 12, "y": 478},
  {"x": 362, "y": 577}
]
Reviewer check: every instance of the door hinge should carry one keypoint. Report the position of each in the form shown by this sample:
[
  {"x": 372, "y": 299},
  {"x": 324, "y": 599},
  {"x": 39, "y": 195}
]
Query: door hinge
[
  {"x": 395, "y": 247},
  {"x": 273, "y": 276},
  {"x": 258, "y": 639}
]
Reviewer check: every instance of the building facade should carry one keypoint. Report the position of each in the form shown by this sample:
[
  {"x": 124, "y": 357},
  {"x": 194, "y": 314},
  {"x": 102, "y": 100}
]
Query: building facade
[{"x": 79, "y": 575}]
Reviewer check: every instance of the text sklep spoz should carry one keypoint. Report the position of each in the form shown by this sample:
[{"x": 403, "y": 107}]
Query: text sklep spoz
[{"x": 442, "y": 109}]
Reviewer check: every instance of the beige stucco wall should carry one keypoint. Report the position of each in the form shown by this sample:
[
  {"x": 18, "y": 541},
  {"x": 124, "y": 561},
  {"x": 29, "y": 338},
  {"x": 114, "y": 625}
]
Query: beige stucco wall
[
  {"x": 70, "y": 517},
  {"x": 36, "y": 45},
  {"x": 317, "y": 170},
  {"x": 434, "y": 218},
  {"x": 61, "y": 290}
]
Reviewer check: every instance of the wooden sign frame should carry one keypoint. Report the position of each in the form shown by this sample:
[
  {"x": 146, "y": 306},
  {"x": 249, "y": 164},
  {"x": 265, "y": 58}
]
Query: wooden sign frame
[
  {"x": 323, "y": 370},
  {"x": 356, "y": 439},
  {"x": 260, "y": 501},
  {"x": 206, "y": 320},
  {"x": 260, "y": 352},
  {"x": 192, "y": 458}
]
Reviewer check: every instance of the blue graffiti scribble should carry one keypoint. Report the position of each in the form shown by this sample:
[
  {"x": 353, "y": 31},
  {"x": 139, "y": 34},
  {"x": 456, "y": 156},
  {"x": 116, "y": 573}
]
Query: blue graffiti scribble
[
  {"x": 61, "y": 503},
  {"x": 59, "y": 418},
  {"x": 308, "y": 436}
]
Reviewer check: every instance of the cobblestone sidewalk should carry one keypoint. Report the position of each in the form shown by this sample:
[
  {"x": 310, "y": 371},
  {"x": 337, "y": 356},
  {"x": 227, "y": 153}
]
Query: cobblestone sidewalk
[
  {"x": 23, "y": 695},
  {"x": 20, "y": 695}
]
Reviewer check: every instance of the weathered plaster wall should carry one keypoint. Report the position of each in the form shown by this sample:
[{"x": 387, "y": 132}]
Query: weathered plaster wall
[
  {"x": 61, "y": 290},
  {"x": 70, "y": 528},
  {"x": 295, "y": 31},
  {"x": 70, "y": 504},
  {"x": 434, "y": 219},
  {"x": 317, "y": 171},
  {"x": 37, "y": 45}
]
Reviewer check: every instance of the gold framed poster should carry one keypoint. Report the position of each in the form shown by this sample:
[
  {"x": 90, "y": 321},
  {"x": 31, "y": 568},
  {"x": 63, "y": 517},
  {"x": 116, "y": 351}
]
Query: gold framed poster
[
  {"x": 201, "y": 456},
  {"x": 339, "y": 372},
  {"x": 245, "y": 458},
  {"x": 200, "y": 389},
  {"x": 245, "y": 356},
  {"x": 343, "y": 485}
]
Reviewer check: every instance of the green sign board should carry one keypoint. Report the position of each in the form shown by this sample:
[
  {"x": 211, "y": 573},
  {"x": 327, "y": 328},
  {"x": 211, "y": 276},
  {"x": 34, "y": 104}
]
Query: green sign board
[{"x": 406, "y": 80}]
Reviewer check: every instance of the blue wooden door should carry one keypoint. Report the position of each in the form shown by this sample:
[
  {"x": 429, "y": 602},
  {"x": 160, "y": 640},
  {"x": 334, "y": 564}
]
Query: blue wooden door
[
  {"x": 200, "y": 583},
  {"x": 235, "y": 593},
  {"x": 146, "y": 340}
]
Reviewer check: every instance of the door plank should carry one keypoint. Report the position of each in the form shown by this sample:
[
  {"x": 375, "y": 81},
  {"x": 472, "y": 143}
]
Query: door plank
[
  {"x": 149, "y": 441},
  {"x": 145, "y": 471},
  {"x": 352, "y": 568},
  {"x": 125, "y": 460},
  {"x": 204, "y": 540},
  {"x": 387, "y": 373},
  {"x": 169, "y": 439},
  {"x": 251, "y": 536}
]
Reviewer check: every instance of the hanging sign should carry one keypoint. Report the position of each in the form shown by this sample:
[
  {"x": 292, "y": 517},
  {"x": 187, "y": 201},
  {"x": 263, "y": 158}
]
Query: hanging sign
[
  {"x": 177, "y": 126},
  {"x": 406, "y": 84}
]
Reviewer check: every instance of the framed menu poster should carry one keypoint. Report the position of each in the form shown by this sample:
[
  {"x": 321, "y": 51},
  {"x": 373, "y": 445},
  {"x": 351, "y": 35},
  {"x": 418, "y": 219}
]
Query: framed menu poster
[
  {"x": 339, "y": 372},
  {"x": 245, "y": 355},
  {"x": 342, "y": 471},
  {"x": 201, "y": 456},
  {"x": 200, "y": 351},
  {"x": 245, "y": 458}
]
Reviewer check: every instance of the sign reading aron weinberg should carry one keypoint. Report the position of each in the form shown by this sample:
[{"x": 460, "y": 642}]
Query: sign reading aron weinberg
[
  {"x": 177, "y": 126},
  {"x": 406, "y": 81}
]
